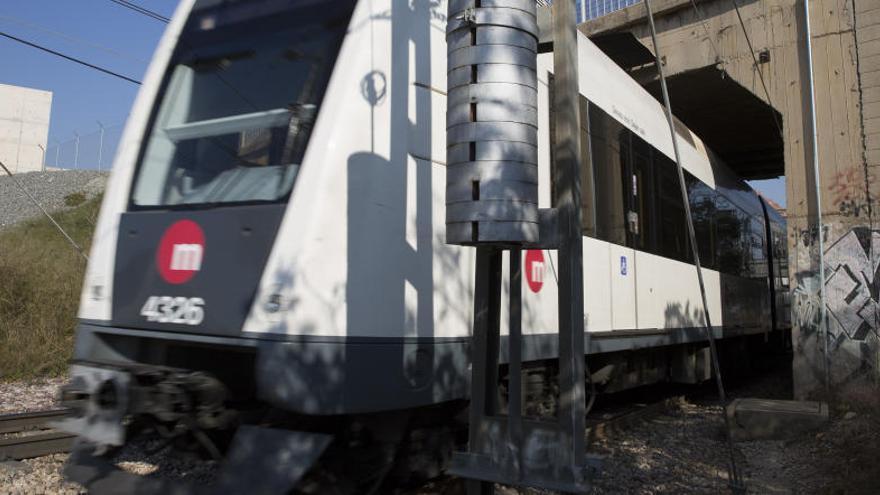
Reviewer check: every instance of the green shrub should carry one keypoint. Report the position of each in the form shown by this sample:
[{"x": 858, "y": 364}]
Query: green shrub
[
  {"x": 75, "y": 199},
  {"x": 40, "y": 280}
]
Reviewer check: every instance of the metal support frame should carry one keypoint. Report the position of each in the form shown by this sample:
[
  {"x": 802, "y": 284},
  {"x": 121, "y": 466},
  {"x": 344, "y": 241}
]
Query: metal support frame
[{"x": 510, "y": 449}]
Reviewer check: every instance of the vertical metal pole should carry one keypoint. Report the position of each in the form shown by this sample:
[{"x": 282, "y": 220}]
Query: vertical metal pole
[
  {"x": 514, "y": 364},
  {"x": 484, "y": 353},
  {"x": 814, "y": 133},
  {"x": 568, "y": 200},
  {"x": 100, "y": 145},
  {"x": 42, "y": 157},
  {"x": 76, "y": 152},
  {"x": 734, "y": 478}
]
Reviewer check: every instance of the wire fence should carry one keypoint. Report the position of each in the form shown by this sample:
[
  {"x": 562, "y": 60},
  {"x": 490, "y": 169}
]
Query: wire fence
[{"x": 91, "y": 150}]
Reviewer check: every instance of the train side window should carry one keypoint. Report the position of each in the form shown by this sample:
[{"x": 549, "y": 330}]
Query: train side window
[
  {"x": 642, "y": 190},
  {"x": 757, "y": 256},
  {"x": 729, "y": 229},
  {"x": 672, "y": 233},
  {"x": 702, "y": 202},
  {"x": 608, "y": 170},
  {"x": 588, "y": 194}
]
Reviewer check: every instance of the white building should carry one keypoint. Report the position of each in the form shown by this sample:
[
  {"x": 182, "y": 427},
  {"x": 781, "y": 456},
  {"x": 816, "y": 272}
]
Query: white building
[{"x": 24, "y": 127}]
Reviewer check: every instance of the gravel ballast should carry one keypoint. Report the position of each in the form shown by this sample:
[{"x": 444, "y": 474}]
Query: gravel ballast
[
  {"x": 682, "y": 450},
  {"x": 49, "y": 188}
]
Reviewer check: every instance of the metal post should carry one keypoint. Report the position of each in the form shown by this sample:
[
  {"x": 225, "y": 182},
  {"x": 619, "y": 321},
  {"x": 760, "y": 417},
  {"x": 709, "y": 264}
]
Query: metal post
[
  {"x": 76, "y": 151},
  {"x": 823, "y": 327},
  {"x": 100, "y": 144},
  {"x": 42, "y": 157},
  {"x": 734, "y": 478},
  {"x": 57, "y": 152},
  {"x": 514, "y": 364},
  {"x": 484, "y": 353},
  {"x": 568, "y": 200}
]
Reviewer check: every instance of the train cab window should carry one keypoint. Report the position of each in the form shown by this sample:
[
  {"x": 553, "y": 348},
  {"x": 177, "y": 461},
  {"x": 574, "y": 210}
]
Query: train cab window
[{"x": 238, "y": 102}]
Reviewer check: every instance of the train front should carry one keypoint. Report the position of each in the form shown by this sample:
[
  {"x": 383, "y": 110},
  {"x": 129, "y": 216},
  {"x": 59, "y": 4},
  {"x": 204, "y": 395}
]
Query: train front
[{"x": 212, "y": 151}]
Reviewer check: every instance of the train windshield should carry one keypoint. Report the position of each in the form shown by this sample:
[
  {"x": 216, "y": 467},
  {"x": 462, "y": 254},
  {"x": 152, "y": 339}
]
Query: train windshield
[{"x": 239, "y": 100}]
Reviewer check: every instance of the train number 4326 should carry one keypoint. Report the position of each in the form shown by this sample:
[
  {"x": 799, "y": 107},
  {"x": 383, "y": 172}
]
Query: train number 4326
[{"x": 176, "y": 310}]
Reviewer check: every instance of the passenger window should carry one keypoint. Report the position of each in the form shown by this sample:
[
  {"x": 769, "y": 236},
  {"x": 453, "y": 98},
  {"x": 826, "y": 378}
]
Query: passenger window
[
  {"x": 608, "y": 170},
  {"x": 702, "y": 204},
  {"x": 729, "y": 248},
  {"x": 588, "y": 194},
  {"x": 673, "y": 236},
  {"x": 642, "y": 177}
]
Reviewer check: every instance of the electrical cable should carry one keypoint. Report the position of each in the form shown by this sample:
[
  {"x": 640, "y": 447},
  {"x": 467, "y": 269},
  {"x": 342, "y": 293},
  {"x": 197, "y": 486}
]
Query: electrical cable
[
  {"x": 142, "y": 10},
  {"x": 757, "y": 67},
  {"x": 68, "y": 57},
  {"x": 57, "y": 226},
  {"x": 734, "y": 479},
  {"x": 708, "y": 35},
  {"x": 71, "y": 39}
]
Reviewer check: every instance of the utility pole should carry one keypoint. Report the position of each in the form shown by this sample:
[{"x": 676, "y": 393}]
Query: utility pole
[
  {"x": 101, "y": 144},
  {"x": 57, "y": 152},
  {"x": 42, "y": 157},
  {"x": 76, "y": 151}
]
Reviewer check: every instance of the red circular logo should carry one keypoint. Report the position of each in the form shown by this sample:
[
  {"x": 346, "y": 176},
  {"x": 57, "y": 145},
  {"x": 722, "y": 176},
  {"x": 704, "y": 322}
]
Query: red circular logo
[
  {"x": 535, "y": 269},
  {"x": 180, "y": 252}
]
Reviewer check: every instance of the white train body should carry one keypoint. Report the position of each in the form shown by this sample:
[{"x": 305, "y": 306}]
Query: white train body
[{"x": 357, "y": 303}]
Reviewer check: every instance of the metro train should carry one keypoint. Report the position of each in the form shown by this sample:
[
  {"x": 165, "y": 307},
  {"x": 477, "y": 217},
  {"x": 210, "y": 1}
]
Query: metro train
[{"x": 272, "y": 231}]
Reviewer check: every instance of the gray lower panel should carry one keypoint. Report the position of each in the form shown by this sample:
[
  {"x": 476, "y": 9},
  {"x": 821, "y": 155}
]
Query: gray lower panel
[
  {"x": 327, "y": 375},
  {"x": 338, "y": 378}
]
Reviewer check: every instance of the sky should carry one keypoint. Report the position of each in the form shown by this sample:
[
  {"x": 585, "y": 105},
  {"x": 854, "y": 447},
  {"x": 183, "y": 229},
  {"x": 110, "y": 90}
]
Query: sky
[
  {"x": 97, "y": 31},
  {"x": 113, "y": 37}
]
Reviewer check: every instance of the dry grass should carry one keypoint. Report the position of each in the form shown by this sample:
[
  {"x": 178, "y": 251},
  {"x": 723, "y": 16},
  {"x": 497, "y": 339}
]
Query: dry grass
[{"x": 40, "y": 280}]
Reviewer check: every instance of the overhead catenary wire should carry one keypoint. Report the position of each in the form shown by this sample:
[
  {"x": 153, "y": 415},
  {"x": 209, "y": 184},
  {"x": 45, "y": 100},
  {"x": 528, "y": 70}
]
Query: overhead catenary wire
[
  {"x": 68, "y": 57},
  {"x": 734, "y": 479},
  {"x": 142, "y": 10},
  {"x": 757, "y": 66},
  {"x": 70, "y": 38},
  {"x": 46, "y": 213}
]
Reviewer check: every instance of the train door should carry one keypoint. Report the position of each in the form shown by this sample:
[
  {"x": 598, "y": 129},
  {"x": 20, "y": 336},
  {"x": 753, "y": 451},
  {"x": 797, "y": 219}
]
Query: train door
[{"x": 623, "y": 258}]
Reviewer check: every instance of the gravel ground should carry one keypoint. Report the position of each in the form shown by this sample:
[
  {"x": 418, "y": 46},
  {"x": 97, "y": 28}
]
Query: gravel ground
[
  {"x": 680, "y": 451},
  {"x": 49, "y": 188},
  {"x": 31, "y": 395}
]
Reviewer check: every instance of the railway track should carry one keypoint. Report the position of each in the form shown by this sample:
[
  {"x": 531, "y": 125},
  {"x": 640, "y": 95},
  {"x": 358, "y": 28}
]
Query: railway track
[{"x": 28, "y": 435}]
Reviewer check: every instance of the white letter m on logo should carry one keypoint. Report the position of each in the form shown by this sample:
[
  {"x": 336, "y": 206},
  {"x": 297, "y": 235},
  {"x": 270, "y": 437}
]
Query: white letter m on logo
[
  {"x": 538, "y": 271},
  {"x": 186, "y": 257}
]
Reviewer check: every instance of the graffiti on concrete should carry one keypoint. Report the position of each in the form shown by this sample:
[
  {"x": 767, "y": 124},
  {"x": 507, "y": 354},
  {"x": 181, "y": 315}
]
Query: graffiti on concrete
[
  {"x": 848, "y": 191},
  {"x": 851, "y": 287},
  {"x": 806, "y": 303},
  {"x": 810, "y": 236}
]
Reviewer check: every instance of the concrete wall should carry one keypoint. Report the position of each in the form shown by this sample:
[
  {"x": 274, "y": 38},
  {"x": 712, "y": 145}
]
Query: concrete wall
[
  {"x": 846, "y": 57},
  {"x": 24, "y": 127}
]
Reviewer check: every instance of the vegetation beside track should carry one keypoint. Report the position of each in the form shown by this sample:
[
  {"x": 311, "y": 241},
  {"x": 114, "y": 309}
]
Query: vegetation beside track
[{"x": 40, "y": 281}]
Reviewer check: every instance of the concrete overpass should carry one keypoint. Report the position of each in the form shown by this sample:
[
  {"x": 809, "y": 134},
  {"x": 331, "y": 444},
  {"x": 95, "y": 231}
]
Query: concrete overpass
[{"x": 762, "y": 130}]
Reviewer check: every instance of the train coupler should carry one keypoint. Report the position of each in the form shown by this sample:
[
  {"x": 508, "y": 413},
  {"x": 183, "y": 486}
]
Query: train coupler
[{"x": 102, "y": 399}]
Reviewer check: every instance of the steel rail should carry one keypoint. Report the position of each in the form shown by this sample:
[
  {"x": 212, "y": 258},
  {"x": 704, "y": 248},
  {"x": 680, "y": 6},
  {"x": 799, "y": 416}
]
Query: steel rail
[
  {"x": 37, "y": 445},
  {"x": 18, "y": 422}
]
